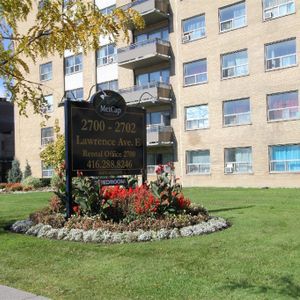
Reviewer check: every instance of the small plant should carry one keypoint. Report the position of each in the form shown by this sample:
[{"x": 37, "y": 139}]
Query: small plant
[
  {"x": 32, "y": 181},
  {"x": 27, "y": 171},
  {"x": 15, "y": 173},
  {"x": 3, "y": 185},
  {"x": 14, "y": 187},
  {"x": 167, "y": 189}
]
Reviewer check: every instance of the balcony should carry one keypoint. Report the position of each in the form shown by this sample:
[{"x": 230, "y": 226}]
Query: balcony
[
  {"x": 159, "y": 135},
  {"x": 152, "y": 11},
  {"x": 149, "y": 94},
  {"x": 152, "y": 168},
  {"x": 143, "y": 54}
]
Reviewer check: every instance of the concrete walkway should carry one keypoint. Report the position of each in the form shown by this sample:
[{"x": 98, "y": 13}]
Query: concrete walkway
[{"x": 7, "y": 293}]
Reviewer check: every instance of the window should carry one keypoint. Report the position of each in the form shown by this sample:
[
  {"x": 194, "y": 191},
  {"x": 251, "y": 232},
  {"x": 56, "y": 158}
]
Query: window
[
  {"x": 193, "y": 28},
  {"x": 108, "y": 85},
  {"x": 46, "y": 71},
  {"x": 49, "y": 104},
  {"x": 158, "y": 118},
  {"x": 281, "y": 54},
  {"x": 198, "y": 162},
  {"x": 285, "y": 158},
  {"x": 195, "y": 72},
  {"x": 238, "y": 160},
  {"x": 236, "y": 112},
  {"x": 283, "y": 106},
  {"x": 162, "y": 34},
  {"x": 47, "y": 135},
  {"x": 232, "y": 17},
  {"x": 196, "y": 117},
  {"x": 235, "y": 64},
  {"x": 75, "y": 95},
  {"x": 73, "y": 64},
  {"x": 278, "y": 8},
  {"x": 107, "y": 10},
  {"x": 107, "y": 55},
  {"x": 156, "y": 76},
  {"x": 47, "y": 172}
]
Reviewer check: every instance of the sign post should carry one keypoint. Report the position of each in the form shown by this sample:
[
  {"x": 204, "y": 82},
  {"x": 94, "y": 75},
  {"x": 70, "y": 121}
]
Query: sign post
[{"x": 104, "y": 137}]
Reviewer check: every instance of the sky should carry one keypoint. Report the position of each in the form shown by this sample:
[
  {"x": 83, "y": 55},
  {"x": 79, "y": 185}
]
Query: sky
[{"x": 2, "y": 90}]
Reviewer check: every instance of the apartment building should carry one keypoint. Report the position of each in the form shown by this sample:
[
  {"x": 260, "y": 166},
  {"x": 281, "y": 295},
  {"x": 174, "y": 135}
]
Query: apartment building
[
  {"x": 219, "y": 79},
  {"x": 6, "y": 137}
]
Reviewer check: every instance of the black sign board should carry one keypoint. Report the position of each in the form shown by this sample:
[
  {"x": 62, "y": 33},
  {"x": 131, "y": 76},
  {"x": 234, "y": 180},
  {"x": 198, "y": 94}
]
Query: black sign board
[
  {"x": 104, "y": 137},
  {"x": 107, "y": 137}
]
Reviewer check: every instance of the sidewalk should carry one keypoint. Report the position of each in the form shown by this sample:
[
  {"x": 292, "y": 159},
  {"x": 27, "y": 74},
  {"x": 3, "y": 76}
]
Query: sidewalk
[{"x": 7, "y": 293}]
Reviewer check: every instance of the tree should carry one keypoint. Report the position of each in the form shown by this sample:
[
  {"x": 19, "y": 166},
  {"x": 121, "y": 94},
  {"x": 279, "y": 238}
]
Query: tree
[
  {"x": 15, "y": 173},
  {"x": 77, "y": 26},
  {"x": 54, "y": 153},
  {"x": 27, "y": 171}
]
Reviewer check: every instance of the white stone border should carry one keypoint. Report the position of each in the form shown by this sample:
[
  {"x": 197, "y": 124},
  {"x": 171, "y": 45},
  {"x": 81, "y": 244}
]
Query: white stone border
[{"x": 108, "y": 237}]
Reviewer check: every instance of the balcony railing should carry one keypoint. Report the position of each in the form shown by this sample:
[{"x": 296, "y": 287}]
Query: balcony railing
[
  {"x": 203, "y": 168},
  {"x": 148, "y": 94},
  {"x": 237, "y": 119},
  {"x": 289, "y": 165},
  {"x": 285, "y": 113},
  {"x": 152, "y": 168},
  {"x": 283, "y": 61},
  {"x": 238, "y": 167},
  {"x": 159, "y": 135},
  {"x": 153, "y": 11},
  {"x": 144, "y": 53}
]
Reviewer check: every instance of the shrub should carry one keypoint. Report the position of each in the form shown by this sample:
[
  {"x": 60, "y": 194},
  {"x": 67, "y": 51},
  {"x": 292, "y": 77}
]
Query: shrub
[
  {"x": 2, "y": 185},
  {"x": 54, "y": 181},
  {"x": 15, "y": 173},
  {"x": 14, "y": 187},
  {"x": 27, "y": 171},
  {"x": 45, "y": 182},
  {"x": 44, "y": 216},
  {"x": 32, "y": 181}
]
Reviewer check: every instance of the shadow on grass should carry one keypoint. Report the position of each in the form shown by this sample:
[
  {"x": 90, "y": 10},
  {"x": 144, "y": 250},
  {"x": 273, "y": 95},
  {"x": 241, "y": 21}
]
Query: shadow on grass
[
  {"x": 5, "y": 225},
  {"x": 285, "y": 286},
  {"x": 231, "y": 208}
]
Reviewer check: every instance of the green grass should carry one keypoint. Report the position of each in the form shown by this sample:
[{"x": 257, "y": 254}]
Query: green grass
[{"x": 257, "y": 258}]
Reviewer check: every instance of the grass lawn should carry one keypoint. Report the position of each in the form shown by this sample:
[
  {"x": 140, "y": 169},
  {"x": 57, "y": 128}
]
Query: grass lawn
[{"x": 257, "y": 258}]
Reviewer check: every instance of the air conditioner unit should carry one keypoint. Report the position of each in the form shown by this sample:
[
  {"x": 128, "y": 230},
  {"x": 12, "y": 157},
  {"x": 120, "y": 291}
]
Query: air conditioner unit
[
  {"x": 228, "y": 170},
  {"x": 268, "y": 15},
  {"x": 186, "y": 38},
  {"x": 111, "y": 59}
]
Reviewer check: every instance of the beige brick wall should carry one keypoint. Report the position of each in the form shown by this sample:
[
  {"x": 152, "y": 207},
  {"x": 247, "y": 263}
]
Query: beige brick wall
[{"x": 259, "y": 134}]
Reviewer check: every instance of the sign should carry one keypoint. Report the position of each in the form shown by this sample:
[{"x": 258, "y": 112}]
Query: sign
[
  {"x": 107, "y": 137},
  {"x": 113, "y": 181}
]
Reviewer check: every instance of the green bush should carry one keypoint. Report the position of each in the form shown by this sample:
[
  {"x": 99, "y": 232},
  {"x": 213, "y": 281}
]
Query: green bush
[
  {"x": 45, "y": 182},
  {"x": 32, "y": 181},
  {"x": 27, "y": 171},
  {"x": 55, "y": 181},
  {"x": 15, "y": 173}
]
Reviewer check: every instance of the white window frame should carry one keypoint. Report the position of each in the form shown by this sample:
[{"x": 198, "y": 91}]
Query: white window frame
[
  {"x": 74, "y": 68},
  {"x": 285, "y": 110},
  {"x": 233, "y": 19},
  {"x": 107, "y": 59},
  {"x": 49, "y": 107},
  {"x": 187, "y": 36},
  {"x": 238, "y": 167},
  {"x": 234, "y": 68},
  {"x": 200, "y": 120},
  {"x": 280, "y": 58},
  {"x": 285, "y": 162},
  {"x": 45, "y": 140},
  {"x": 201, "y": 168},
  {"x": 47, "y": 172},
  {"x": 45, "y": 76},
  {"x": 107, "y": 10},
  {"x": 74, "y": 94},
  {"x": 237, "y": 115},
  {"x": 276, "y": 7},
  {"x": 195, "y": 75}
]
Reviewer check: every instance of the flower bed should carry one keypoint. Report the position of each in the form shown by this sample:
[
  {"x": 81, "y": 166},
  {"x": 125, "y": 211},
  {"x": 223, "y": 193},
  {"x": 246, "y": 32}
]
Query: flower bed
[{"x": 121, "y": 214}]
